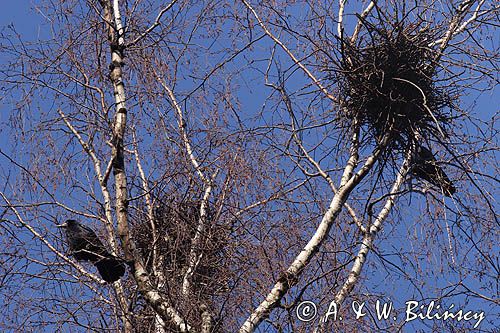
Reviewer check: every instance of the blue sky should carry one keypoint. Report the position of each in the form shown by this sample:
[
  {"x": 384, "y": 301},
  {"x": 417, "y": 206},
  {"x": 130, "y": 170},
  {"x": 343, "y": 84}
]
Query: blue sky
[{"x": 27, "y": 23}]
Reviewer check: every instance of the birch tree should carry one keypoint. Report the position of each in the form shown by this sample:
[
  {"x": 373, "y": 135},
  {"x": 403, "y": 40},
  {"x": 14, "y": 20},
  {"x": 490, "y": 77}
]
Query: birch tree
[{"x": 242, "y": 158}]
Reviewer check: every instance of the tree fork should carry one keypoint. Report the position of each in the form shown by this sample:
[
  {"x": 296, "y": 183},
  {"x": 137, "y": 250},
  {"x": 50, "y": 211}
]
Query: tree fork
[{"x": 117, "y": 45}]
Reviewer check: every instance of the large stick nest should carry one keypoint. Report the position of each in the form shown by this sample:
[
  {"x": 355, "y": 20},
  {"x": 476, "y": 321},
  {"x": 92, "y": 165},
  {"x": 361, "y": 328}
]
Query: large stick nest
[
  {"x": 175, "y": 225},
  {"x": 388, "y": 85}
]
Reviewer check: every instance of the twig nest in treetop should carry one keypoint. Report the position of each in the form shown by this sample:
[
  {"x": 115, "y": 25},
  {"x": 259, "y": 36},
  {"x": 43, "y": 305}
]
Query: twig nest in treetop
[
  {"x": 172, "y": 241},
  {"x": 176, "y": 224},
  {"x": 387, "y": 82}
]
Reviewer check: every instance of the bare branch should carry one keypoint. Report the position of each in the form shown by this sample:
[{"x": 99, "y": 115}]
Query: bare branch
[
  {"x": 290, "y": 276},
  {"x": 369, "y": 236},
  {"x": 290, "y": 54},
  {"x": 182, "y": 128},
  {"x": 340, "y": 24},
  {"x": 44, "y": 240},
  {"x": 455, "y": 27},
  {"x": 362, "y": 16},
  {"x": 154, "y": 25},
  {"x": 195, "y": 254}
]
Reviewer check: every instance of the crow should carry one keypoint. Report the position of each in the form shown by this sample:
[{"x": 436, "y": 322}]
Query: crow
[
  {"x": 425, "y": 167},
  {"x": 84, "y": 245}
]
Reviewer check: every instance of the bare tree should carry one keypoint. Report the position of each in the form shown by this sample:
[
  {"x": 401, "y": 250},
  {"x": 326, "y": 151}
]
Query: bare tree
[{"x": 244, "y": 157}]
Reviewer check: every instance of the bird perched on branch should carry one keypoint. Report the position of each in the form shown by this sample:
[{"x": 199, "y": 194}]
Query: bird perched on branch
[
  {"x": 425, "y": 167},
  {"x": 84, "y": 245}
]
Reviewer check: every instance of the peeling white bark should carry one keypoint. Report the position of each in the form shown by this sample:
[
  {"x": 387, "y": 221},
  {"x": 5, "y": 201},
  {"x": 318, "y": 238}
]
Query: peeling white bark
[
  {"x": 340, "y": 24},
  {"x": 291, "y": 275},
  {"x": 455, "y": 27},
  {"x": 108, "y": 211},
  {"x": 369, "y": 236},
  {"x": 364, "y": 14},
  {"x": 152, "y": 296},
  {"x": 195, "y": 255}
]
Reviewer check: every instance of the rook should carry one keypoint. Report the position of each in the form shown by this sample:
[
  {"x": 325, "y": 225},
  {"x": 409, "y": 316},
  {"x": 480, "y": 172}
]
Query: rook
[{"x": 84, "y": 245}]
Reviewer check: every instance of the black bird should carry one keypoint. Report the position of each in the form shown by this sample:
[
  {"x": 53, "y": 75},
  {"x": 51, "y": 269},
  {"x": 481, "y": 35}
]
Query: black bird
[
  {"x": 425, "y": 167},
  {"x": 84, "y": 245}
]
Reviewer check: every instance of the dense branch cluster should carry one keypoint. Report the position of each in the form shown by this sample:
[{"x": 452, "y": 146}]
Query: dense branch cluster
[
  {"x": 175, "y": 225},
  {"x": 388, "y": 84}
]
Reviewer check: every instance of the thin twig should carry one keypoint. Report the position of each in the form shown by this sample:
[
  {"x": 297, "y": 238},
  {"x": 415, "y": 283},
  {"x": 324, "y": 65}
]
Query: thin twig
[{"x": 290, "y": 54}]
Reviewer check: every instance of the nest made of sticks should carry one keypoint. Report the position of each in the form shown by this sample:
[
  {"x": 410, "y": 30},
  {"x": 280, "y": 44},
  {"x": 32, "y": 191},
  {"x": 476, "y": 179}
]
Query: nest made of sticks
[
  {"x": 176, "y": 224},
  {"x": 388, "y": 84}
]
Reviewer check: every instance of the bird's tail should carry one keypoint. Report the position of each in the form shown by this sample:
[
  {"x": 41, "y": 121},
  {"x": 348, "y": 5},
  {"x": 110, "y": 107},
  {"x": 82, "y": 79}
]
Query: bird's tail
[
  {"x": 441, "y": 179},
  {"x": 110, "y": 268},
  {"x": 448, "y": 188}
]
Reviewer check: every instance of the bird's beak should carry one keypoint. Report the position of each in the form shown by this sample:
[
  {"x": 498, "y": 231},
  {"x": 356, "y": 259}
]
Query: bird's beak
[{"x": 64, "y": 225}]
